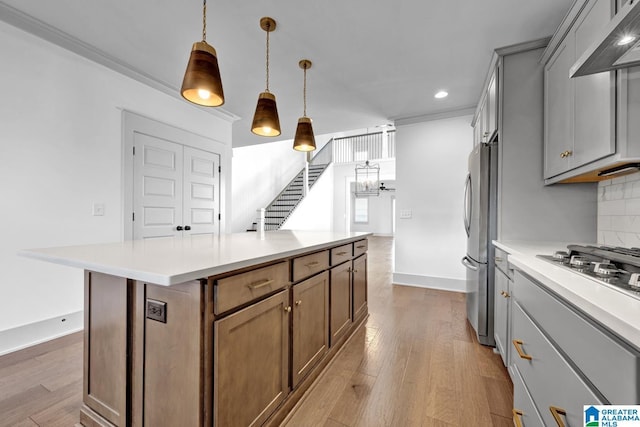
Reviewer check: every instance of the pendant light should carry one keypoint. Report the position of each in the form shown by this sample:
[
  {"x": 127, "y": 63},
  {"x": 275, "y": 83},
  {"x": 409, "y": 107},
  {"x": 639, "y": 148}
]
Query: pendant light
[
  {"x": 265, "y": 119},
  {"x": 202, "y": 84},
  {"x": 304, "y": 139}
]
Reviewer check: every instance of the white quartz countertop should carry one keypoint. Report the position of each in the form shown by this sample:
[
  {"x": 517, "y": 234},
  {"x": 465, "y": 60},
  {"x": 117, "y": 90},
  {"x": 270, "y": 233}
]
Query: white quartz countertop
[
  {"x": 172, "y": 260},
  {"x": 615, "y": 310}
]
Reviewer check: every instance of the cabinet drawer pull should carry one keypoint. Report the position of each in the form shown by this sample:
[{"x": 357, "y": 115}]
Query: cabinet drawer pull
[
  {"x": 259, "y": 284},
  {"x": 312, "y": 264},
  {"x": 517, "y": 344},
  {"x": 498, "y": 259},
  {"x": 566, "y": 154},
  {"x": 341, "y": 253},
  {"x": 505, "y": 294},
  {"x": 517, "y": 417},
  {"x": 360, "y": 246},
  {"x": 287, "y": 309},
  {"x": 556, "y": 412},
  {"x": 299, "y": 302}
]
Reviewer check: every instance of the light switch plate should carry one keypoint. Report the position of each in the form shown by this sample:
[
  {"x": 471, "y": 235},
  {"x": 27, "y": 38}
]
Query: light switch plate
[
  {"x": 405, "y": 213},
  {"x": 98, "y": 209}
]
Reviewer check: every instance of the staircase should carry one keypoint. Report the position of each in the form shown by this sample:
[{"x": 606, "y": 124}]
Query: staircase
[{"x": 281, "y": 207}]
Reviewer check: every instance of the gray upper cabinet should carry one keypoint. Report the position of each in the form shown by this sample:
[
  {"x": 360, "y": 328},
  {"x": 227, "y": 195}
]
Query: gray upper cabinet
[
  {"x": 485, "y": 123},
  {"x": 579, "y": 112},
  {"x": 594, "y": 95},
  {"x": 557, "y": 113}
]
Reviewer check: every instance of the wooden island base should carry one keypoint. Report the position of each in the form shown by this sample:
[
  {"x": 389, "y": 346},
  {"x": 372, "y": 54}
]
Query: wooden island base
[{"x": 235, "y": 349}]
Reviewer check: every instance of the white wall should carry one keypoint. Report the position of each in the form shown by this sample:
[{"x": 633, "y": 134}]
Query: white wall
[
  {"x": 431, "y": 164},
  {"x": 259, "y": 173},
  {"x": 619, "y": 211},
  {"x": 60, "y": 124},
  {"x": 315, "y": 211}
]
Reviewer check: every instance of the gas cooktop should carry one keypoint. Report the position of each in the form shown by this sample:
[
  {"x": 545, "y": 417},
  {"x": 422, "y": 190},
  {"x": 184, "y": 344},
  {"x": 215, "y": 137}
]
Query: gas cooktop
[{"x": 615, "y": 267}]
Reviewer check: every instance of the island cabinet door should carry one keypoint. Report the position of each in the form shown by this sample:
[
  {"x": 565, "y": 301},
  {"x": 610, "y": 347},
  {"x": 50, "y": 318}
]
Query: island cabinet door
[
  {"x": 359, "y": 287},
  {"x": 310, "y": 324},
  {"x": 340, "y": 302},
  {"x": 251, "y": 362}
]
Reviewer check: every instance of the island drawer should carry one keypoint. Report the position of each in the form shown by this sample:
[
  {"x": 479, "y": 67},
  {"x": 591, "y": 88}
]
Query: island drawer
[
  {"x": 308, "y": 265},
  {"x": 341, "y": 254},
  {"x": 584, "y": 341},
  {"x": 360, "y": 247},
  {"x": 239, "y": 289}
]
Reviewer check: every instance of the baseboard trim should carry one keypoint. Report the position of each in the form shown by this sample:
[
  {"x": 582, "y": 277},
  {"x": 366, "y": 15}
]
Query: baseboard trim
[
  {"x": 20, "y": 337},
  {"x": 430, "y": 282}
]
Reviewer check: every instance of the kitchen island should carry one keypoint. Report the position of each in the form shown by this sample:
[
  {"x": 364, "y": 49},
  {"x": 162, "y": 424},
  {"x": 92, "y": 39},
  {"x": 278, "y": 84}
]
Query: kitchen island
[{"x": 213, "y": 330}]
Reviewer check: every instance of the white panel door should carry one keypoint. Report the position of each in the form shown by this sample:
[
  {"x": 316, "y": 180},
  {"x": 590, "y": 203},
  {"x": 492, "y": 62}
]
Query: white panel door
[
  {"x": 201, "y": 191},
  {"x": 157, "y": 187}
]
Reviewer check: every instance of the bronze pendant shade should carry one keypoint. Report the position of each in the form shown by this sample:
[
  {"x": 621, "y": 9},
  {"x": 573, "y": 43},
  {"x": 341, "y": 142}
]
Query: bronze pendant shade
[
  {"x": 265, "y": 119},
  {"x": 202, "y": 84},
  {"x": 304, "y": 139}
]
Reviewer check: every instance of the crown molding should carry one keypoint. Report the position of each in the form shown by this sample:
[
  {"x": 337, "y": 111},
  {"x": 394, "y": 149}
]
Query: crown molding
[
  {"x": 459, "y": 112},
  {"x": 31, "y": 25}
]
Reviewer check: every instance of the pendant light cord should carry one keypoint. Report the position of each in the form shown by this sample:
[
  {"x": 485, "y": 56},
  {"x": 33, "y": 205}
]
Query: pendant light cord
[
  {"x": 204, "y": 20},
  {"x": 268, "y": 28},
  {"x": 304, "y": 93}
]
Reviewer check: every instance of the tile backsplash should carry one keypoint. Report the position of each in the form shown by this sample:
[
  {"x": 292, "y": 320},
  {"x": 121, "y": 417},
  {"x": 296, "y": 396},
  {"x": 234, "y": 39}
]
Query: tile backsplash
[{"x": 619, "y": 211}]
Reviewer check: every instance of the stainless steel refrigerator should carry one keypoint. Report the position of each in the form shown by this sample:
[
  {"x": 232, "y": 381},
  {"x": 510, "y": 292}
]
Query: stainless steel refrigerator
[{"x": 480, "y": 207}]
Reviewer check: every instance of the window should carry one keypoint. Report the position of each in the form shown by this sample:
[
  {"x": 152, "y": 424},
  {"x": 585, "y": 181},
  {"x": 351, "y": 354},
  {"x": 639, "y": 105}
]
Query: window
[{"x": 361, "y": 210}]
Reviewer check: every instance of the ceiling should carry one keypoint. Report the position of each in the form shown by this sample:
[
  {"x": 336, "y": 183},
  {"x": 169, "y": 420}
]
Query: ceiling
[{"x": 374, "y": 61}]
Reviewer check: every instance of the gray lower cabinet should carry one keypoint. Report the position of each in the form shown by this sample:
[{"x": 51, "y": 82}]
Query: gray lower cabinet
[
  {"x": 502, "y": 314},
  {"x": 525, "y": 413},
  {"x": 503, "y": 289},
  {"x": 560, "y": 355},
  {"x": 557, "y": 390}
]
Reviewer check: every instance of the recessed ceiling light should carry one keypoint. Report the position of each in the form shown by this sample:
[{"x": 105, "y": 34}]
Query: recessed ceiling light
[
  {"x": 625, "y": 40},
  {"x": 441, "y": 94}
]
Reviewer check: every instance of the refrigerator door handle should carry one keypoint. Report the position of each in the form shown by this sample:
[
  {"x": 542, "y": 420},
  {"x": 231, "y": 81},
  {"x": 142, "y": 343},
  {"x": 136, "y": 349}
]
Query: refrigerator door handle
[
  {"x": 467, "y": 205},
  {"x": 465, "y": 261}
]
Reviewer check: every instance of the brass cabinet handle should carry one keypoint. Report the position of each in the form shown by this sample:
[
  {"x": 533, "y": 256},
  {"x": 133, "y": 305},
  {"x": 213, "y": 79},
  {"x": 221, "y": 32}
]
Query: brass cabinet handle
[
  {"x": 505, "y": 294},
  {"x": 360, "y": 246},
  {"x": 259, "y": 284},
  {"x": 556, "y": 412},
  {"x": 517, "y": 417},
  {"x": 517, "y": 344},
  {"x": 341, "y": 253},
  {"x": 566, "y": 154},
  {"x": 299, "y": 302},
  {"x": 312, "y": 264},
  {"x": 287, "y": 309}
]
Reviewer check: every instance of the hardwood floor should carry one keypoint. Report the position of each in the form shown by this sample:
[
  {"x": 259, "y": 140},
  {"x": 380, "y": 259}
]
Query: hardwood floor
[{"x": 416, "y": 363}]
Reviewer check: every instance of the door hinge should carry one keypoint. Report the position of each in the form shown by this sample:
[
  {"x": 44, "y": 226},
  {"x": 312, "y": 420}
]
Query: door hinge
[
  {"x": 134, "y": 150},
  {"x": 219, "y": 169},
  {"x": 219, "y": 217},
  {"x": 133, "y": 216}
]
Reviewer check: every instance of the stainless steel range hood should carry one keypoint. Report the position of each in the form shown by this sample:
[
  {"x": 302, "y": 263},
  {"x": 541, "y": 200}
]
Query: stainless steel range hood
[{"x": 607, "y": 52}]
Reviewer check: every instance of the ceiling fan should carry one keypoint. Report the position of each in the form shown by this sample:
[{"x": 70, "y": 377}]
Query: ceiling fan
[{"x": 383, "y": 188}]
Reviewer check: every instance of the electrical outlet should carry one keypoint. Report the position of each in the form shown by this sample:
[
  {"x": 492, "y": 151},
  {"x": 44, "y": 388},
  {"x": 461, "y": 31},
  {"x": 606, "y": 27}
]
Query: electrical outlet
[
  {"x": 98, "y": 209},
  {"x": 157, "y": 310}
]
